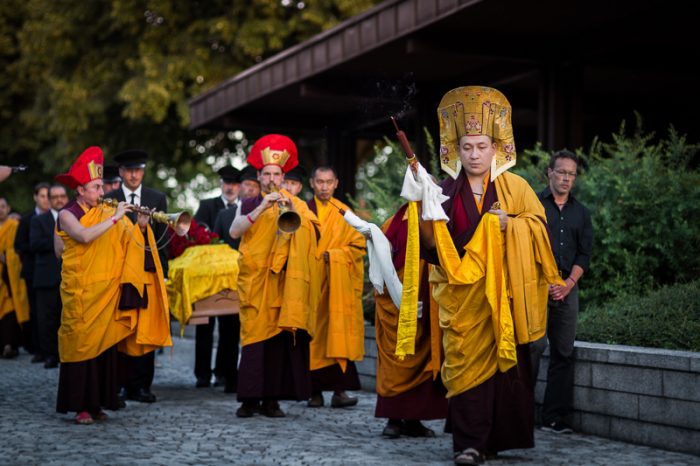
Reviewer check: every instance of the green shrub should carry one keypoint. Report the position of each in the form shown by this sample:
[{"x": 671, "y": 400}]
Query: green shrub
[
  {"x": 665, "y": 318},
  {"x": 644, "y": 198}
]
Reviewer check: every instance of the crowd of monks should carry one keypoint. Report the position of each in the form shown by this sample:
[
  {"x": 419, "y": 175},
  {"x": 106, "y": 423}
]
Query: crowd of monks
[{"x": 481, "y": 280}]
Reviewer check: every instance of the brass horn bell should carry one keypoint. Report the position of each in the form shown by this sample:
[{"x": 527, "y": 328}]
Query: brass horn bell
[{"x": 288, "y": 220}]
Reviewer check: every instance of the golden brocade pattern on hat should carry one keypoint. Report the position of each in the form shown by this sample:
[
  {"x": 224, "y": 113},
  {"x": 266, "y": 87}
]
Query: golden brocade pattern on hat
[
  {"x": 474, "y": 111},
  {"x": 274, "y": 157},
  {"x": 95, "y": 170}
]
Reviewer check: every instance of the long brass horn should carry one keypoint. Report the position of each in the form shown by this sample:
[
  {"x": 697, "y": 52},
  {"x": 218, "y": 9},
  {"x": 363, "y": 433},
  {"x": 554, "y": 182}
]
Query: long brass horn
[
  {"x": 288, "y": 220},
  {"x": 180, "y": 221}
]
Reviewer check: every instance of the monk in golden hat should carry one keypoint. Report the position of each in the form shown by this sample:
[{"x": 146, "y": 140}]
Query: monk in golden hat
[
  {"x": 339, "y": 337},
  {"x": 277, "y": 285},
  {"x": 110, "y": 289},
  {"x": 493, "y": 266}
]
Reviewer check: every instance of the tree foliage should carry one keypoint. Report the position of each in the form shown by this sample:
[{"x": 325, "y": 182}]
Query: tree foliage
[{"x": 119, "y": 73}]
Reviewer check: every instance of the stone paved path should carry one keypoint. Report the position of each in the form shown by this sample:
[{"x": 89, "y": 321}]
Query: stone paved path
[{"x": 189, "y": 426}]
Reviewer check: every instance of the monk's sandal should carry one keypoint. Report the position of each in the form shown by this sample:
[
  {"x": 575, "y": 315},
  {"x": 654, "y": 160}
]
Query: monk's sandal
[{"x": 469, "y": 456}]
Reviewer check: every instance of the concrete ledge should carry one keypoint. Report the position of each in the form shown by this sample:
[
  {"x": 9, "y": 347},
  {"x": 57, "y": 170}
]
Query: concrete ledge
[{"x": 639, "y": 395}]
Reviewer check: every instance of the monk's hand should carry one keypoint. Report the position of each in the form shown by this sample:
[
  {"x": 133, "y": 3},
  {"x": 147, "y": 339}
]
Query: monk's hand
[
  {"x": 270, "y": 199},
  {"x": 122, "y": 208},
  {"x": 502, "y": 217}
]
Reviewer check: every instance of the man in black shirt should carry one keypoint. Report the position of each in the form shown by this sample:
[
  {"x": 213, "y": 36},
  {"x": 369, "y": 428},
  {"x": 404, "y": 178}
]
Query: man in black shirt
[{"x": 572, "y": 240}]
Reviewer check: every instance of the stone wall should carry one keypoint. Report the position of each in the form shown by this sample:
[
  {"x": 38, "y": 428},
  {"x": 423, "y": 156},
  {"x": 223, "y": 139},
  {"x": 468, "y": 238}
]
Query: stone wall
[{"x": 638, "y": 395}]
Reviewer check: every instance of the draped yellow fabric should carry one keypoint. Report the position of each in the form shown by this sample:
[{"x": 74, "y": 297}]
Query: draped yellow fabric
[
  {"x": 479, "y": 325},
  {"x": 408, "y": 314},
  {"x": 13, "y": 298},
  {"x": 151, "y": 325},
  {"x": 200, "y": 272},
  {"x": 399, "y": 375},
  {"x": 90, "y": 288},
  {"x": 339, "y": 327},
  {"x": 477, "y": 310},
  {"x": 531, "y": 265},
  {"x": 278, "y": 279}
]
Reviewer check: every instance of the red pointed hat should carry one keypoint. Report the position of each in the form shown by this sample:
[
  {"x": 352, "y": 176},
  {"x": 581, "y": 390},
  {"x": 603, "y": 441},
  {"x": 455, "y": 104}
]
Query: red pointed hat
[
  {"x": 86, "y": 168},
  {"x": 274, "y": 149}
]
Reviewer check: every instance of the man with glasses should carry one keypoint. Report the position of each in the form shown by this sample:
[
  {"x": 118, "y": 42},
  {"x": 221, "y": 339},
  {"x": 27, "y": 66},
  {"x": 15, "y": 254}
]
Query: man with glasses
[{"x": 572, "y": 240}]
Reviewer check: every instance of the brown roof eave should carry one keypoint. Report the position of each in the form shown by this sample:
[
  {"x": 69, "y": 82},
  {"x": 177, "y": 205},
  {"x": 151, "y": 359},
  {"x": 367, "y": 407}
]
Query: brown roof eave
[{"x": 377, "y": 26}]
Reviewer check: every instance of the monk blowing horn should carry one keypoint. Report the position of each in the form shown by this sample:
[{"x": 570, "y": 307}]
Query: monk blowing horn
[
  {"x": 180, "y": 221},
  {"x": 288, "y": 220}
]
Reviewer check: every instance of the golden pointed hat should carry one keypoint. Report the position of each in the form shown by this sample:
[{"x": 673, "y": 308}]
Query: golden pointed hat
[
  {"x": 274, "y": 149},
  {"x": 474, "y": 111}
]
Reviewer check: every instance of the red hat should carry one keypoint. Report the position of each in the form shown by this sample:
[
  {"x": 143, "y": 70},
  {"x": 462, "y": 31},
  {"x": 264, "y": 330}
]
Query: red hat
[
  {"x": 88, "y": 167},
  {"x": 274, "y": 149}
]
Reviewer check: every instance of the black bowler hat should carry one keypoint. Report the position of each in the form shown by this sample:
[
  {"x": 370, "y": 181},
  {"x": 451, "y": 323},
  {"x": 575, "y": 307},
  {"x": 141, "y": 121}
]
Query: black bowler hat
[
  {"x": 297, "y": 174},
  {"x": 110, "y": 174},
  {"x": 249, "y": 173},
  {"x": 230, "y": 174},
  {"x": 134, "y": 158}
]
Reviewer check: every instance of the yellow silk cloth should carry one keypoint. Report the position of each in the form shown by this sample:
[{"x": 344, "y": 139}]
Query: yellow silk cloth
[
  {"x": 200, "y": 272},
  {"x": 91, "y": 280},
  {"x": 278, "y": 278},
  {"x": 408, "y": 314},
  {"x": 13, "y": 298},
  {"x": 479, "y": 325},
  {"x": 151, "y": 325},
  {"x": 339, "y": 332}
]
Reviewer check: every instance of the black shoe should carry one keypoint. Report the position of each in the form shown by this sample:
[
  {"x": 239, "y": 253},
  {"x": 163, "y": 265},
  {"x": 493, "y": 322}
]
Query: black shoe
[
  {"x": 413, "y": 428},
  {"x": 9, "y": 352},
  {"x": 393, "y": 428},
  {"x": 342, "y": 401},
  {"x": 202, "y": 382},
  {"x": 219, "y": 381},
  {"x": 37, "y": 358},
  {"x": 51, "y": 362},
  {"x": 271, "y": 408},
  {"x": 558, "y": 427},
  {"x": 316, "y": 400},
  {"x": 142, "y": 395},
  {"x": 248, "y": 409}
]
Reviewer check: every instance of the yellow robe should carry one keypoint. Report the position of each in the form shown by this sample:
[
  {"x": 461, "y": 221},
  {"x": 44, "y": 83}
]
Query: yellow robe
[
  {"x": 339, "y": 334},
  {"x": 277, "y": 279},
  {"x": 481, "y": 326},
  {"x": 12, "y": 299},
  {"x": 151, "y": 325},
  {"x": 91, "y": 280}
]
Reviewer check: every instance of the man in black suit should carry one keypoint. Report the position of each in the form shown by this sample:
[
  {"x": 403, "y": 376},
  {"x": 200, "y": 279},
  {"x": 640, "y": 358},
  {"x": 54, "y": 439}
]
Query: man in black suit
[
  {"x": 226, "y": 369},
  {"x": 47, "y": 276},
  {"x": 210, "y": 208},
  {"x": 41, "y": 205},
  {"x": 139, "y": 370}
]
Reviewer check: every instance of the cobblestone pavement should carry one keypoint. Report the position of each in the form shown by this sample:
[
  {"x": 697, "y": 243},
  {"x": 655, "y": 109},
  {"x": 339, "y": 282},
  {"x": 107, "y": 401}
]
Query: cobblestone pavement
[{"x": 190, "y": 426}]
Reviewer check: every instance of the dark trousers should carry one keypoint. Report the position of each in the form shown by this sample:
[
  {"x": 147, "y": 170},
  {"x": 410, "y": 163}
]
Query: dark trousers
[
  {"x": 30, "y": 330},
  {"x": 137, "y": 371},
  {"x": 561, "y": 333},
  {"x": 226, "y": 353},
  {"x": 48, "y": 303}
]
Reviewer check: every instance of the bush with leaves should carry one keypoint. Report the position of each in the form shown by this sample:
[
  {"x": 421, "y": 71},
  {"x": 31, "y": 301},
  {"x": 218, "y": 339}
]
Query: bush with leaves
[
  {"x": 665, "y": 318},
  {"x": 645, "y": 207}
]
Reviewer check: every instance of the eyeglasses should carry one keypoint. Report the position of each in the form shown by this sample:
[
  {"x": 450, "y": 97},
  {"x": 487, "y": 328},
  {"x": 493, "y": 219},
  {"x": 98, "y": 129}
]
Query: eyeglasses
[{"x": 563, "y": 173}]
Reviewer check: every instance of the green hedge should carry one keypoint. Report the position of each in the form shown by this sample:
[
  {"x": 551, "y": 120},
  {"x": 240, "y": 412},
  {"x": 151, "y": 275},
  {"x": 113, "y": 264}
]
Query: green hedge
[{"x": 665, "y": 318}]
